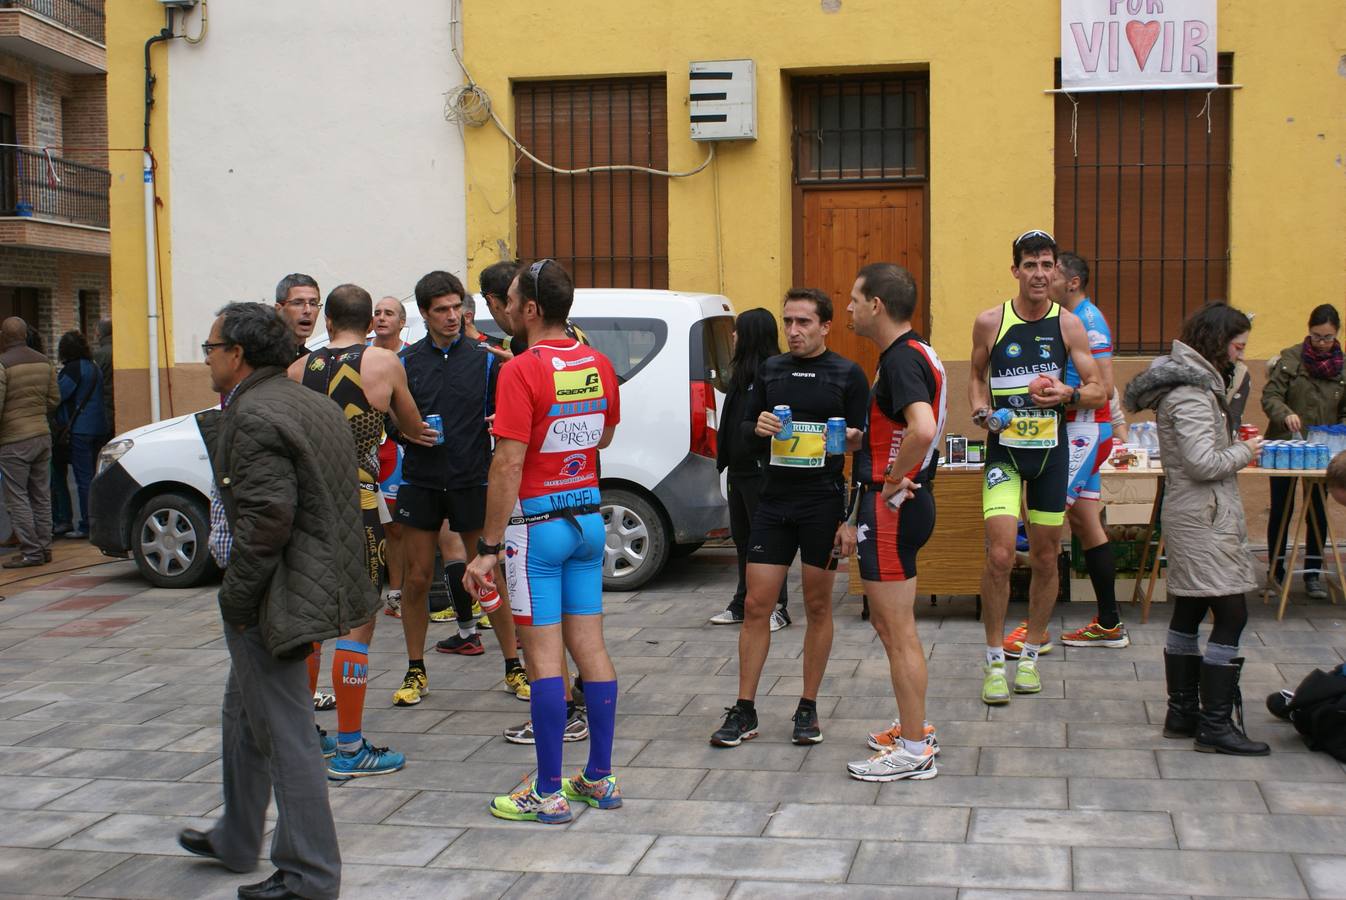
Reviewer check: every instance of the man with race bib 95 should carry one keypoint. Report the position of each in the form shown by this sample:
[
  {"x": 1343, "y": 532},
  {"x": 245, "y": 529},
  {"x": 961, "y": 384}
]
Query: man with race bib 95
[{"x": 1019, "y": 354}]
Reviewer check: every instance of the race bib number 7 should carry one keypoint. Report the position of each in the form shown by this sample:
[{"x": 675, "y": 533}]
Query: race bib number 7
[
  {"x": 806, "y": 448},
  {"x": 1031, "y": 429}
]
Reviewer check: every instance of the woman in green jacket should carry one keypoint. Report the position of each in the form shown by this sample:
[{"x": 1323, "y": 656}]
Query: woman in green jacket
[{"x": 1306, "y": 386}]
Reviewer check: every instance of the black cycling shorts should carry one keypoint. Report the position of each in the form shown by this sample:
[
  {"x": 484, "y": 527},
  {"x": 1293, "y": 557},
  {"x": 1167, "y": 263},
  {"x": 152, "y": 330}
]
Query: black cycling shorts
[
  {"x": 427, "y": 508},
  {"x": 807, "y": 525},
  {"x": 888, "y": 540},
  {"x": 1045, "y": 472}
]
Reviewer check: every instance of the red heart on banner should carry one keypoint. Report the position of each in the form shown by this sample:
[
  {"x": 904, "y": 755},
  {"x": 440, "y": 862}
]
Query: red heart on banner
[{"x": 1142, "y": 36}]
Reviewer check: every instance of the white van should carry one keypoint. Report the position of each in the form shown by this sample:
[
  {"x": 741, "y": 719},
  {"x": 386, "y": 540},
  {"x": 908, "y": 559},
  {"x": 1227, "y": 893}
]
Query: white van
[{"x": 662, "y": 495}]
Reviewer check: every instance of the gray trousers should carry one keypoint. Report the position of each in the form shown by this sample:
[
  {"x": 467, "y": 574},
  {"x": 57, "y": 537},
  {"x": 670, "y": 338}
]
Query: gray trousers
[
  {"x": 26, "y": 468},
  {"x": 270, "y": 744}
]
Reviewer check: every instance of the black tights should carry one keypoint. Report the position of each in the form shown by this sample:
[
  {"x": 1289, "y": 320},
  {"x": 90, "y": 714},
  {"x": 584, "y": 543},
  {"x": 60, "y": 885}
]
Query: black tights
[{"x": 1230, "y": 614}]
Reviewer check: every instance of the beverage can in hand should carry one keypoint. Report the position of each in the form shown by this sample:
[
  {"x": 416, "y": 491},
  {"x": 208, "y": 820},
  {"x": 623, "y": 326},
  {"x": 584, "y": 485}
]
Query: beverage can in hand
[
  {"x": 836, "y": 436},
  {"x": 998, "y": 421},
  {"x": 435, "y": 421},
  {"x": 786, "y": 422},
  {"x": 488, "y": 596}
]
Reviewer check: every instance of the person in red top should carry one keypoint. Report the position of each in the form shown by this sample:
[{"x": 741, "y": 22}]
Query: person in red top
[
  {"x": 557, "y": 405},
  {"x": 895, "y": 467}
]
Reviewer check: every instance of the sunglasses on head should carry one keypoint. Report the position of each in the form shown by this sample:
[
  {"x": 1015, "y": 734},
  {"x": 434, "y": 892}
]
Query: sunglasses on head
[
  {"x": 536, "y": 269},
  {"x": 1034, "y": 233}
]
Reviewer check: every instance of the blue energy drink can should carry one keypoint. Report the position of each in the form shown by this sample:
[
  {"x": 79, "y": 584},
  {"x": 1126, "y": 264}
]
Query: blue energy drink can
[
  {"x": 787, "y": 422},
  {"x": 998, "y": 421},
  {"x": 435, "y": 421},
  {"x": 1296, "y": 455},
  {"x": 836, "y": 436}
]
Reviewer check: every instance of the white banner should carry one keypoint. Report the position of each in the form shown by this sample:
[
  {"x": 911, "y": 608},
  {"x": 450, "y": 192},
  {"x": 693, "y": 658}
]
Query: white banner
[{"x": 1129, "y": 45}]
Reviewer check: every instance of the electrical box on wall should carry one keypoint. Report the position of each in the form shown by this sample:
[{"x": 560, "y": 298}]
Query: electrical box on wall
[{"x": 723, "y": 100}]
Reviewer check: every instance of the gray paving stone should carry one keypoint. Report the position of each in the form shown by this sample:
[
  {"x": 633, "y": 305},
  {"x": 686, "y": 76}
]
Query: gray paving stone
[
  {"x": 109, "y": 736},
  {"x": 52, "y": 872},
  {"x": 147, "y": 766},
  {"x": 1119, "y": 763},
  {"x": 785, "y": 858},
  {"x": 499, "y": 752},
  {"x": 32, "y": 792},
  {"x": 1044, "y": 709},
  {"x": 751, "y": 755},
  {"x": 867, "y": 822},
  {"x": 680, "y": 816},
  {"x": 961, "y": 865},
  {"x": 1072, "y": 828},
  {"x": 1151, "y": 737},
  {"x": 1241, "y": 874},
  {"x": 391, "y": 720},
  {"x": 652, "y": 783},
  {"x": 1295, "y": 798},
  {"x": 978, "y": 791},
  {"x": 164, "y": 798},
  {"x": 14, "y": 732},
  {"x": 387, "y": 845},
  {"x": 1055, "y": 895},
  {"x": 547, "y": 851},
  {"x": 1001, "y": 734},
  {"x": 88, "y": 711},
  {"x": 135, "y": 833},
  {"x": 1324, "y": 875},
  {"x": 166, "y": 878},
  {"x": 719, "y": 783},
  {"x": 967, "y": 708},
  {"x": 1266, "y": 833},
  {"x": 22, "y": 760},
  {"x": 42, "y": 828},
  {"x": 1165, "y": 795},
  {"x": 107, "y": 692},
  {"x": 780, "y": 890},
  {"x": 1307, "y": 767},
  {"x": 772, "y": 712},
  {"x": 614, "y": 887}
]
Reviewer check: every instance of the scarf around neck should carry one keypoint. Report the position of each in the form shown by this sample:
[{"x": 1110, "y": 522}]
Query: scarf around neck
[{"x": 1322, "y": 364}]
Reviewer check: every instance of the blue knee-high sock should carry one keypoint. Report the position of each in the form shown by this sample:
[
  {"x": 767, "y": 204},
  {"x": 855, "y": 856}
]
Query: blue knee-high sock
[
  {"x": 601, "y": 697},
  {"x": 548, "y": 705}
]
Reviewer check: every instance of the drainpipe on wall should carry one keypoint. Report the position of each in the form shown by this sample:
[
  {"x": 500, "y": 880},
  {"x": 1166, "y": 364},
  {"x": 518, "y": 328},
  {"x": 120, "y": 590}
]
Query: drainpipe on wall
[{"x": 151, "y": 245}]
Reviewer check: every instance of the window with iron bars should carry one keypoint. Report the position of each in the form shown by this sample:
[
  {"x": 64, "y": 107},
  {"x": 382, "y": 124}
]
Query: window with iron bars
[
  {"x": 861, "y": 128},
  {"x": 1142, "y": 193},
  {"x": 609, "y": 229}
]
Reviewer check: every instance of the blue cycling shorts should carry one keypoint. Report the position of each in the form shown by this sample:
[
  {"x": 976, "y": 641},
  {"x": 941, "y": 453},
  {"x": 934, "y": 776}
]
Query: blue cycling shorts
[
  {"x": 1090, "y": 443},
  {"x": 555, "y": 567}
]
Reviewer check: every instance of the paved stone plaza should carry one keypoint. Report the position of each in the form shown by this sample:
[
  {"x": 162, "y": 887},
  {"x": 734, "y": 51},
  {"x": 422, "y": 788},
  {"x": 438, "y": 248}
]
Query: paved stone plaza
[{"x": 109, "y": 710}]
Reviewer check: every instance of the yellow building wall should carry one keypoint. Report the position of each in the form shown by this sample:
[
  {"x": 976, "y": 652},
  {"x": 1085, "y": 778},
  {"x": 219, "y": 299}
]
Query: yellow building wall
[
  {"x": 129, "y": 24},
  {"x": 991, "y": 136}
]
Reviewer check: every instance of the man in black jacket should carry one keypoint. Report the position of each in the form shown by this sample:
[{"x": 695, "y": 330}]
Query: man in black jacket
[
  {"x": 286, "y": 526},
  {"x": 454, "y": 378}
]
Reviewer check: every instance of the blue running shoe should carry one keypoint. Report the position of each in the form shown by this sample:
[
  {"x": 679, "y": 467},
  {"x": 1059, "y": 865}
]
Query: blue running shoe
[
  {"x": 329, "y": 743},
  {"x": 368, "y": 760}
]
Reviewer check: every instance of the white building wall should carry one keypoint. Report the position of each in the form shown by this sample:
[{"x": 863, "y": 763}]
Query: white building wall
[{"x": 309, "y": 137}]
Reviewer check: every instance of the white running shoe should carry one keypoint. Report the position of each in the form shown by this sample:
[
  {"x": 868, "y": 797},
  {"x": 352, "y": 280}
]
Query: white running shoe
[{"x": 895, "y": 765}]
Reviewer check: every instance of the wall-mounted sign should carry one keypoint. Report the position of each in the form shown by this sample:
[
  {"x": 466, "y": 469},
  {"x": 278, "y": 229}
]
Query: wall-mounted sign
[{"x": 1127, "y": 45}]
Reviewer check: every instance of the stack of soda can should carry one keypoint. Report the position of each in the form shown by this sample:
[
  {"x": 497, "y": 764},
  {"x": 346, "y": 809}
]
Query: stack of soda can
[{"x": 1294, "y": 455}]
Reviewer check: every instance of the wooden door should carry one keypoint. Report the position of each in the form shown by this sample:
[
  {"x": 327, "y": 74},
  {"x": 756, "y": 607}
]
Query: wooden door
[{"x": 846, "y": 229}]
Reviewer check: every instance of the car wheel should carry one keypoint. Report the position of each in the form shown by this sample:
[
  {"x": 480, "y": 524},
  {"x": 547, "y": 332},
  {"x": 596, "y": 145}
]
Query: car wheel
[
  {"x": 681, "y": 551},
  {"x": 168, "y": 538},
  {"x": 637, "y": 541}
]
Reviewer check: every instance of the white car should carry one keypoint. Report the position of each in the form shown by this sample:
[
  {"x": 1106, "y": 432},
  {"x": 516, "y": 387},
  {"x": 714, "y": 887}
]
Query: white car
[{"x": 662, "y": 495}]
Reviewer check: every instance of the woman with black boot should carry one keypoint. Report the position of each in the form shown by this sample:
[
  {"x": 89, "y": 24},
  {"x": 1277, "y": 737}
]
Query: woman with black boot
[{"x": 1209, "y": 564}]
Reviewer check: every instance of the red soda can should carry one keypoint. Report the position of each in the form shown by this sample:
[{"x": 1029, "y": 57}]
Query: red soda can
[
  {"x": 1248, "y": 432},
  {"x": 488, "y": 596}
]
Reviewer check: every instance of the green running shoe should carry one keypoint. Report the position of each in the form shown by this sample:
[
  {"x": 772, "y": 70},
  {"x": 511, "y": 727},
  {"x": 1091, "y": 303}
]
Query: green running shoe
[
  {"x": 1026, "y": 680},
  {"x": 527, "y": 805},
  {"x": 994, "y": 687}
]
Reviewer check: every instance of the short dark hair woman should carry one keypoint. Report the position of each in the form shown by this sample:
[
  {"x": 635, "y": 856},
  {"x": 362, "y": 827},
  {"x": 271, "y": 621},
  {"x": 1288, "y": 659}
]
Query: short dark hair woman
[
  {"x": 756, "y": 337},
  {"x": 80, "y": 430},
  {"x": 1305, "y": 387},
  {"x": 1210, "y": 567}
]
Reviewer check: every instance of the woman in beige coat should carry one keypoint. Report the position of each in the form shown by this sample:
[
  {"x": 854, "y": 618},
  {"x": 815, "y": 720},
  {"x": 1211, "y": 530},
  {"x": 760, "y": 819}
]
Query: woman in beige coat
[{"x": 1210, "y": 566}]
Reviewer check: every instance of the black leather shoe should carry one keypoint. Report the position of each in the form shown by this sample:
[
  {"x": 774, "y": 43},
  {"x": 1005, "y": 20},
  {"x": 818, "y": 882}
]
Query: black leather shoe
[
  {"x": 272, "y": 889},
  {"x": 197, "y": 842}
]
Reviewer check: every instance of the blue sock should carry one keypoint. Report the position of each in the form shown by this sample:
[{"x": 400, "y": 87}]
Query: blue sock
[
  {"x": 548, "y": 705},
  {"x": 601, "y": 697}
]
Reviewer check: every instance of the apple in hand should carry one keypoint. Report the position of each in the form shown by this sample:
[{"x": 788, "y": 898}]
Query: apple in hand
[{"x": 1040, "y": 385}]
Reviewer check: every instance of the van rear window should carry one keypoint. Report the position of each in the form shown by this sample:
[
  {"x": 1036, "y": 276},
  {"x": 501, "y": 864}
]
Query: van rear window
[
  {"x": 712, "y": 343},
  {"x": 629, "y": 344}
]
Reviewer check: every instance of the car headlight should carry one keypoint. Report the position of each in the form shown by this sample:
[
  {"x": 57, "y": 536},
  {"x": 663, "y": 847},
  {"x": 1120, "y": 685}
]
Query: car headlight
[{"x": 111, "y": 452}]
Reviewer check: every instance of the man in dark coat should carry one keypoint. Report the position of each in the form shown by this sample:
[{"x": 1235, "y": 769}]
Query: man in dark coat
[{"x": 285, "y": 524}]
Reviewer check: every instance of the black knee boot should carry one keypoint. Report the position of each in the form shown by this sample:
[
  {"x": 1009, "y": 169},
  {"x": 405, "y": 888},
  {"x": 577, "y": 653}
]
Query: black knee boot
[
  {"x": 1221, "y": 726},
  {"x": 1182, "y": 671}
]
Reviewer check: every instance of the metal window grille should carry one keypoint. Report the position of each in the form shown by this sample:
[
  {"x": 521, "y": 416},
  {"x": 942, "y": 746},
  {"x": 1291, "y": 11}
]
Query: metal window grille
[
  {"x": 81, "y": 16},
  {"x": 609, "y": 229},
  {"x": 861, "y": 128},
  {"x": 1142, "y": 193}
]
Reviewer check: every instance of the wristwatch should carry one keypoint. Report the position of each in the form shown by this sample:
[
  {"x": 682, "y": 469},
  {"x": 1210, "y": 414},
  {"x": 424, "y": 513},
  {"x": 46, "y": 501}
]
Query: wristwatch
[
  {"x": 1075, "y": 397},
  {"x": 485, "y": 549}
]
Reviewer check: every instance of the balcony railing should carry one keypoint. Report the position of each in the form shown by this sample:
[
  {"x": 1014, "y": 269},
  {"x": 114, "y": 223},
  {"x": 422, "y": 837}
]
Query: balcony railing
[
  {"x": 80, "y": 16},
  {"x": 36, "y": 185}
]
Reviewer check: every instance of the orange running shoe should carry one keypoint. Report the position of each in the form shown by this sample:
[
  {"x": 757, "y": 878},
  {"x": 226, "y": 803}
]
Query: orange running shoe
[
  {"x": 1014, "y": 644},
  {"x": 1095, "y": 635},
  {"x": 888, "y": 738}
]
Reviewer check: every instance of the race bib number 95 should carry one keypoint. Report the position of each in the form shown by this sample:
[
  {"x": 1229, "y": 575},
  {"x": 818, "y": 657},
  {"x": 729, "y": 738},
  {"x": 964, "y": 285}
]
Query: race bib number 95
[
  {"x": 806, "y": 448},
  {"x": 1031, "y": 429}
]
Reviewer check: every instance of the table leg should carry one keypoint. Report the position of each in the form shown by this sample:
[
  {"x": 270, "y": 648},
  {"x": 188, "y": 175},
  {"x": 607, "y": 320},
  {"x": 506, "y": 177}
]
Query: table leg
[
  {"x": 1154, "y": 575},
  {"x": 1330, "y": 538},
  {"x": 1281, "y": 529},
  {"x": 1293, "y": 552},
  {"x": 1149, "y": 536}
]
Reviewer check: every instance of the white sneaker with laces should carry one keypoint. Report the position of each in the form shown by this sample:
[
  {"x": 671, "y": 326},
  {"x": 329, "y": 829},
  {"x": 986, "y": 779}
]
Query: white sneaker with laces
[
  {"x": 728, "y": 617},
  {"x": 778, "y": 619}
]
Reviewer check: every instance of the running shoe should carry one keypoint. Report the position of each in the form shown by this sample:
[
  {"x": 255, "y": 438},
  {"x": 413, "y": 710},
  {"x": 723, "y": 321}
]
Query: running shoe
[
  {"x": 392, "y": 604},
  {"x": 1095, "y": 635},
  {"x": 577, "y": 729},
  {"x": 600, "y": 794},
  {"x": 806, "y": 727},
  {"x": 463, "y": 646},
  {"x": 779, "y": 619},
  {"x": 1026, "y": 678},
  {"x": 888, "y": 738},
  {"x": 728, "y": 617},
  {"x": 415, "y": 686},
  {"x": 527, "y": 805},
  {"x": 329, "y": 743},
  {"x": 368, "y": 760},
  {"x": 1014, "y": 644},
  {"x": 994, "y": 687},
  {"x": 516, "y": 683},
  {"x": 323, "y": 702},
  {"x": 1313, "y": 587},
  {"x": 444, "y": 616},
  {"x": 739, "y": 725},
  {"x": 895, "y": 765}
]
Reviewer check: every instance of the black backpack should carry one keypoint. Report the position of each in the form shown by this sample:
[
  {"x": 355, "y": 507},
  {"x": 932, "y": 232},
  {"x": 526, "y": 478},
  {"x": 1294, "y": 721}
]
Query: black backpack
[{"x": 1318, "y": 711}]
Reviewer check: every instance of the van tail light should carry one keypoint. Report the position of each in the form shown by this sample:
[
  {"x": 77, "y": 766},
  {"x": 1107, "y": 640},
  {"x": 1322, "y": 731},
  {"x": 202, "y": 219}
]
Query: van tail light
[{"x": 703, "y": 418}]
